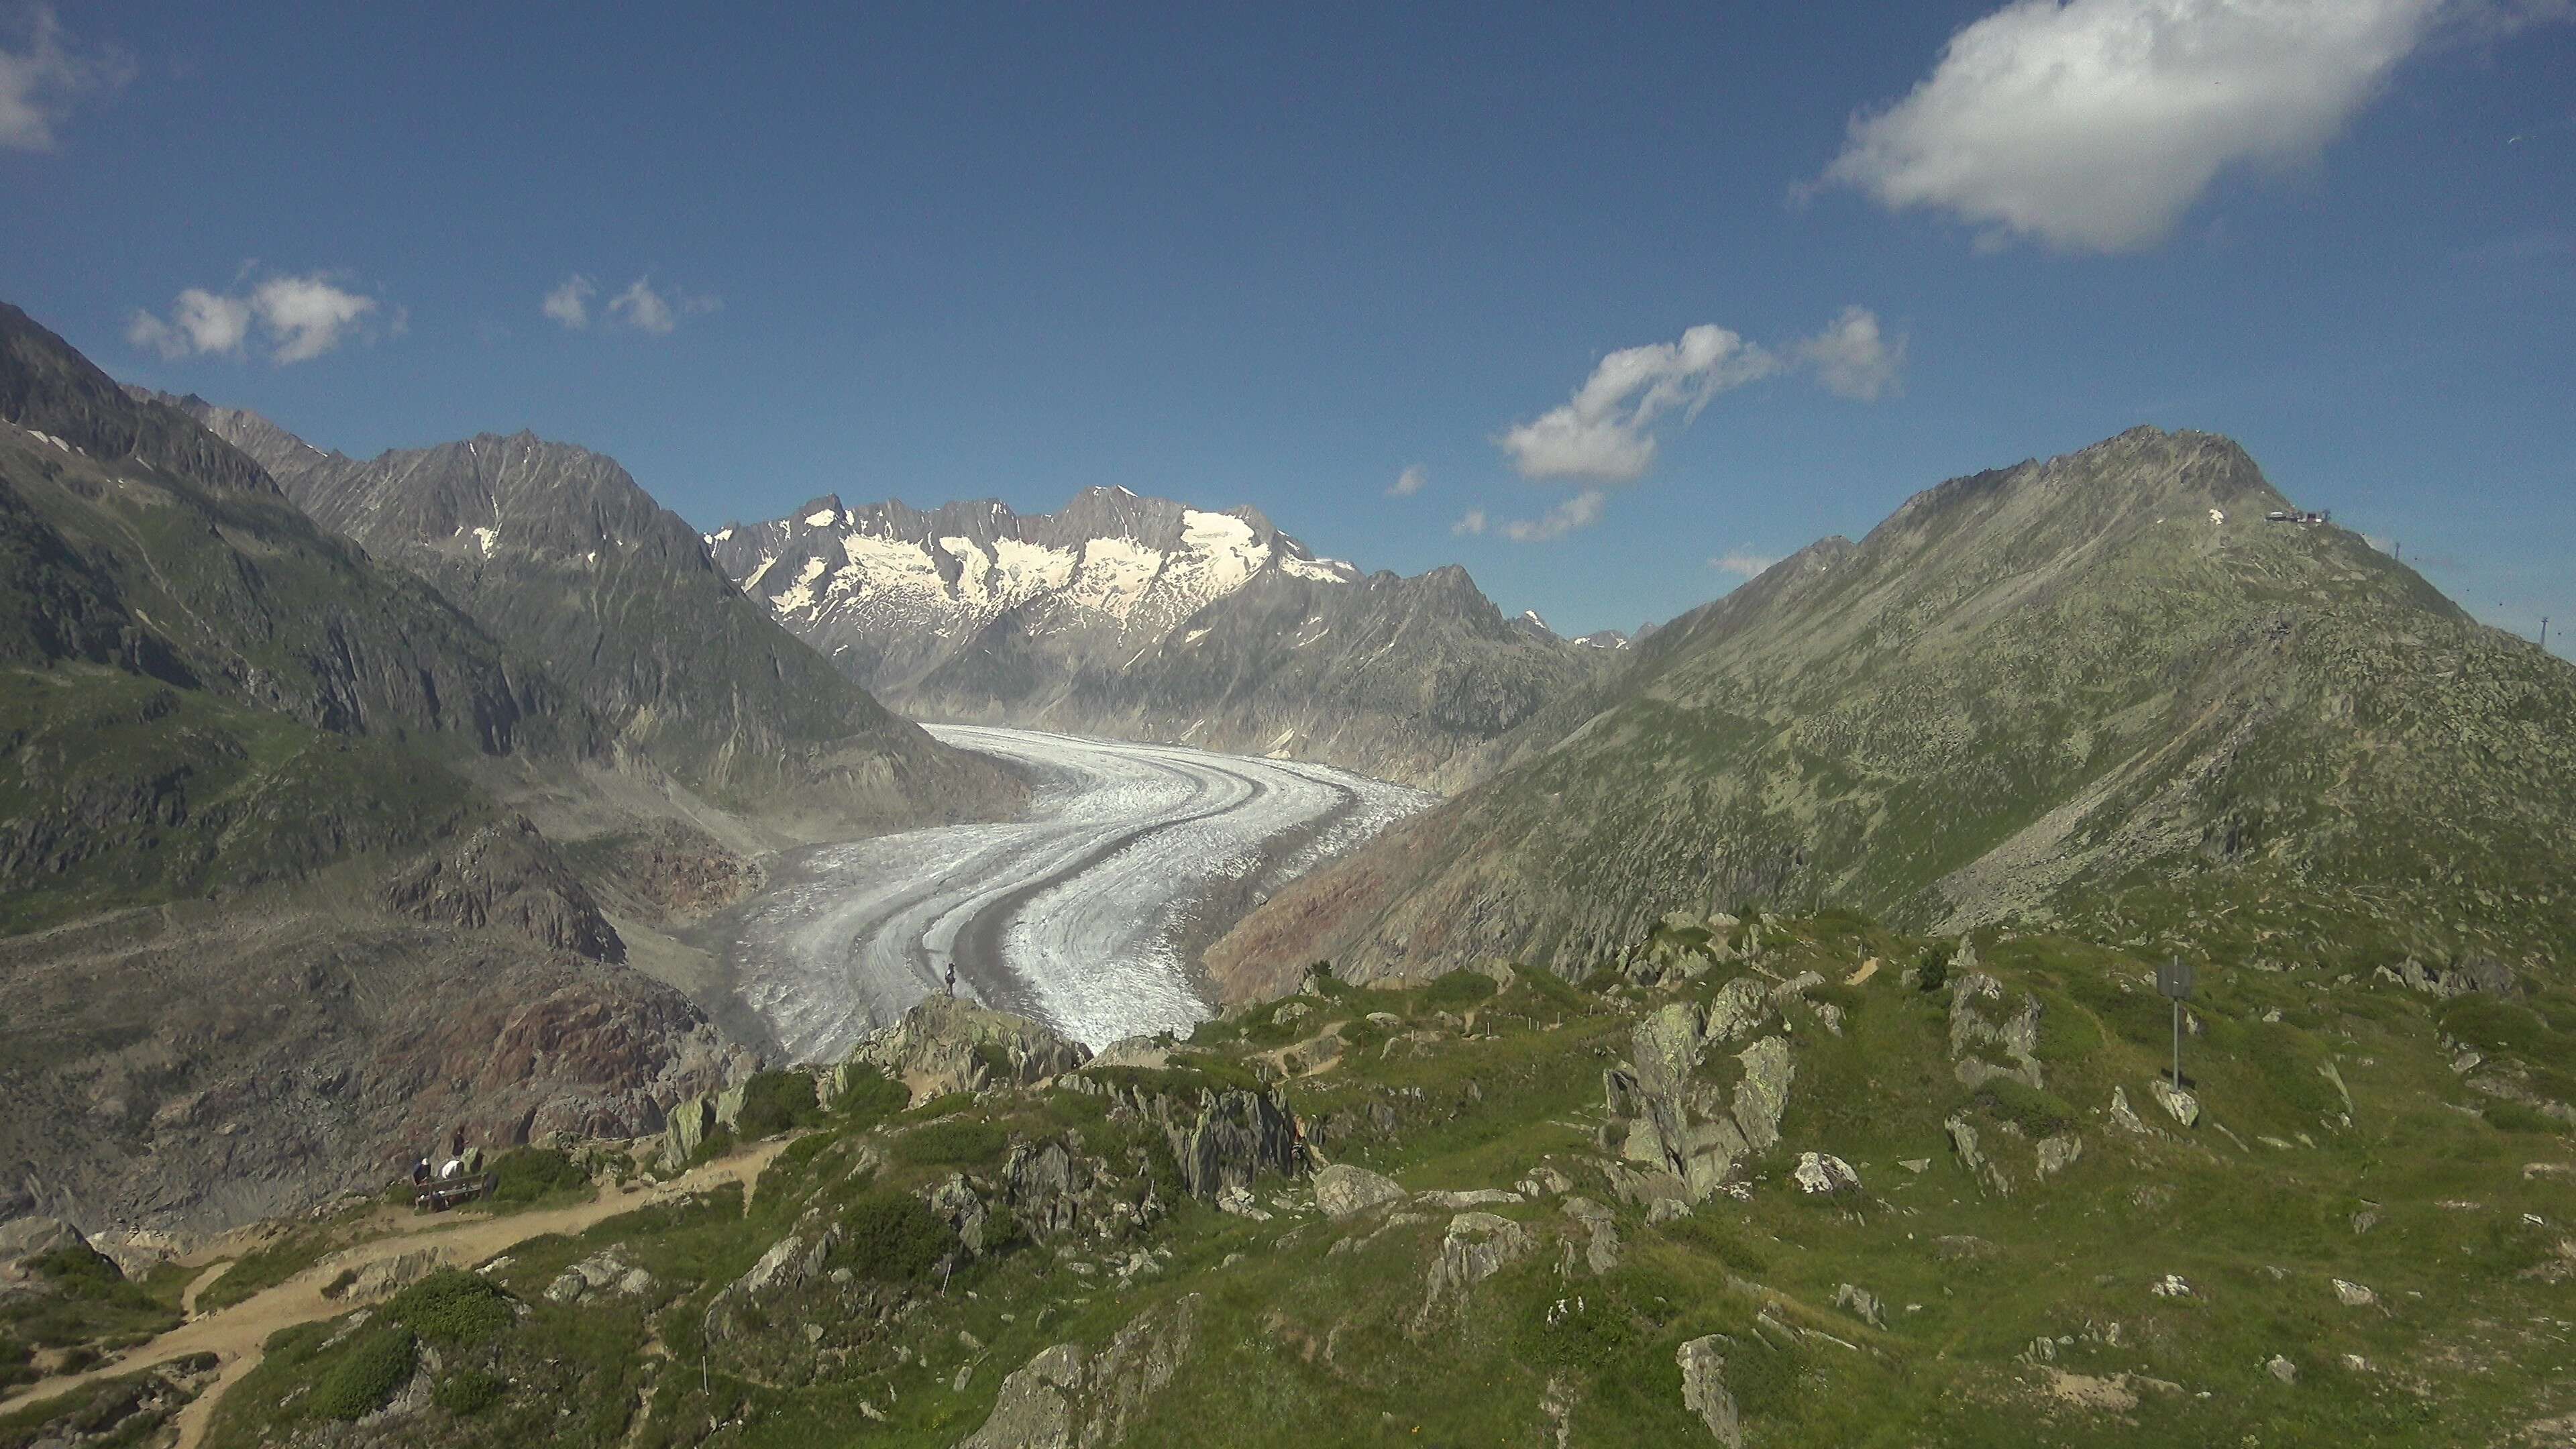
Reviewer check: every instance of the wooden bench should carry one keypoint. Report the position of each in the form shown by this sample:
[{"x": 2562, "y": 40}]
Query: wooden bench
[{"x": 444, "y": 1193}]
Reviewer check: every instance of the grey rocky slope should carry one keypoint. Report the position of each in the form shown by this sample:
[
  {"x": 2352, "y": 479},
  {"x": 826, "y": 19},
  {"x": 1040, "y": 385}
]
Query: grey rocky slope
[
  {"x": 556, "y": 551},
  {"x": 2104, "y": 690},
  {"x": 262, "y": 927},
  {"x": 1144, "y": 618}
]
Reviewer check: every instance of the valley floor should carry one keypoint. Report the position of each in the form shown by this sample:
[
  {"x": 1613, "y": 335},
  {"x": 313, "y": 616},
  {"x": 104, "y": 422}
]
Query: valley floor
[{"x": 1084, "y": 916}]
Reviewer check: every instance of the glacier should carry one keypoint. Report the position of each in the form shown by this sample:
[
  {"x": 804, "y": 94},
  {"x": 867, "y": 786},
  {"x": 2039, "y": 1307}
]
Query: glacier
[{"x": 1084, "y": 915}]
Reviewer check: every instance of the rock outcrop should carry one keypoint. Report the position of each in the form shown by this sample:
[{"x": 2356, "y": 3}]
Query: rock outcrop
[
  {"x": 1344, "y": 1191},
  {"x": 1679, "y": 1122},
  {"x": 1068, "y": 1398},
  {"x": 946, "y": 1044},
  {"x": 1704, "y": 1391}
]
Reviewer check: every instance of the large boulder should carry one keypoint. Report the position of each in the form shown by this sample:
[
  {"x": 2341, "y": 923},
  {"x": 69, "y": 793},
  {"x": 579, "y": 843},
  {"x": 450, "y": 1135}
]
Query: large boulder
[{"x": 1343, "y": 1191}]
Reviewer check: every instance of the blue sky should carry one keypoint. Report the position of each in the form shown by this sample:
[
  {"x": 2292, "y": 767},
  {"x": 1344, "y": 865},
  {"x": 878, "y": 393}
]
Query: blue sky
[{"x": 1280, "y": 255}]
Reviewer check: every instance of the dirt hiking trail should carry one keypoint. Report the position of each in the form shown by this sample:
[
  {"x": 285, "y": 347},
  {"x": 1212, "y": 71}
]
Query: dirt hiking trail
[{"x": 235, "y": 1335}]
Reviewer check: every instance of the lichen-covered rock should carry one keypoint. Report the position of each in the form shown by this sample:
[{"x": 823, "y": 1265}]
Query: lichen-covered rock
[
  {"x": 1477, "y": 1246},
  {"x": 1978, "y": 1026},
  {"x": 1972, "y": 1156},
  {"x": 2058, "y": 1153},
  {"x": 1763, "y": 1096},
  {"x": 1344, "y": 1191},
  {"x": 605, "y": 1272},
  {"x": 2182, "y": 1106},
  {"x": 1863, "y": 1304},
  {"x": 1704, "y": 1391},
  {"x": 791, "y": 1263},
  {"x": 1601, "y": 1229},
  {"x": 1066, "y": 1398},
  {"x": 1820, "y": 1174},
  {"x": 2124, "y": 1116}
]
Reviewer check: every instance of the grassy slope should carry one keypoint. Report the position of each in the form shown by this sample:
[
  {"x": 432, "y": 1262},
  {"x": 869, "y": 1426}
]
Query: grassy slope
[{"x": 1301, "y": 1345}]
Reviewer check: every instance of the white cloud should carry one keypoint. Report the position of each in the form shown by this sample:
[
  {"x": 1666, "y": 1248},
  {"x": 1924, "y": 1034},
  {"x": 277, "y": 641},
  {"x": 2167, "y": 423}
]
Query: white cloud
[
  {"x": 1742, "y": 563},
  {"x": 1853, "y": 358},
  {"x": 2094, "y": 124},
  {"x": 307, "y": 316},
  {"x": 1409, "y": 482},
  {"x": 199, "y": 321},
  {"x": 1471, "y": 522},
  {"x": 1580, "y": 511},
  {"x": 40, "y": 85},
  {"x": 569, "y": 303},
  {"x": 302, "y": 317},
  {"x": 642, "y": 307},
  {"x": 1605, "y": 432}
]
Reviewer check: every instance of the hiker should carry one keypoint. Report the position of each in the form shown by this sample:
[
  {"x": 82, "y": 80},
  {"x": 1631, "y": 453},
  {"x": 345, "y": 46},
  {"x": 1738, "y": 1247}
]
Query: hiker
[
  {"x": 420, "y": 1173},
  {"x": 457, "y": 1148},
  {"x": 454, "y": 1167},
  {"x": 952, "y": 979}
]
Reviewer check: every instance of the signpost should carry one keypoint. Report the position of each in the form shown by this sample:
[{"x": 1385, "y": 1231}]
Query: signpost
[{"x": 2173, "y": 982}]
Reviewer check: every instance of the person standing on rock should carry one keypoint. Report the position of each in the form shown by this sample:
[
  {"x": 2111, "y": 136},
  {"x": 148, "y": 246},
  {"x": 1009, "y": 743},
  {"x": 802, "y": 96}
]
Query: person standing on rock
[{"x": 952, "y": 979}]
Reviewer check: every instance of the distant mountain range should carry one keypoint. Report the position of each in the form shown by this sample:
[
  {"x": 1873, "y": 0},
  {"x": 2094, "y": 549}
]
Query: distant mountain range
[
  {"x": 2103, "y": 692},
  {"x": 1146, "y": 618}
]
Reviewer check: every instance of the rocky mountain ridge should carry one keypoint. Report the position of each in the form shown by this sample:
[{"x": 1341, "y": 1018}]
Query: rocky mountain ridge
[
  {"x": 2101, "y": 690},
  {"x": 276, "y": 906},
  {"x": 1144, "y": 618},
  {"x": 556, "y": 550}
]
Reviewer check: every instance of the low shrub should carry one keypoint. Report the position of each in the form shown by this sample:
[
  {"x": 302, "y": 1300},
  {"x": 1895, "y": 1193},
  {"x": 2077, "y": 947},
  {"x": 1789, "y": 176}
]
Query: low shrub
[
  {"x": 452, "y": 1306},
  {"x": 531, "y": 1173},
  {"x": 955, "y": 1142},
  {"x": 870, "y": 1096},
  {"x": 468, "y": 1392},
  {"x": 775, "y": 1102},
  {"x": 367, "y": 1374},
  {"x": 892, "y": 1237}
]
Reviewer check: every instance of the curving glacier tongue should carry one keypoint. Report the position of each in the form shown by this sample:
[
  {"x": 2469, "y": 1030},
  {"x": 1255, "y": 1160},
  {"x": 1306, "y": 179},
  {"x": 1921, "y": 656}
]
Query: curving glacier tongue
[{"x": 1080, "y": 916}]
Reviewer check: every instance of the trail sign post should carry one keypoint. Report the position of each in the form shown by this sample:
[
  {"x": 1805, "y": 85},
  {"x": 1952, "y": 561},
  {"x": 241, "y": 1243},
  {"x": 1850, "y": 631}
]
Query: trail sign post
[{"x": 2174, "y": 982}]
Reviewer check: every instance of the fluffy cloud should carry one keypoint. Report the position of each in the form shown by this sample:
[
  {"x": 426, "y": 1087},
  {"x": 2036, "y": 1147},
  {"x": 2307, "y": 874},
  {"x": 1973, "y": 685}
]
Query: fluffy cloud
[
  {"x": 1472, "y": 522},
  {"x": 1853, "y": 358},
  {"x": 2094, "y": 124},
  {"x": 641, "y": 307},
  {"x": 1408, "y": 482},
  {"x": 302, "y": 318},
  {"x": 1604, "y": 433},
  {"x": 1742, "y": 563},
  {"x": 569, "y": 304},
  {"x": 40, "y": 84},
  {"x": 1580, "y": 511}
]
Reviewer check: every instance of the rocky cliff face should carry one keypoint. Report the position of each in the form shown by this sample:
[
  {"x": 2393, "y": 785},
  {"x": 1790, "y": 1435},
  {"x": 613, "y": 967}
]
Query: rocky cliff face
[
  {"x": 2101, "y": 689},
  {"x": 555, "y": 550},
  {"x": 1147, "y": 619}
]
